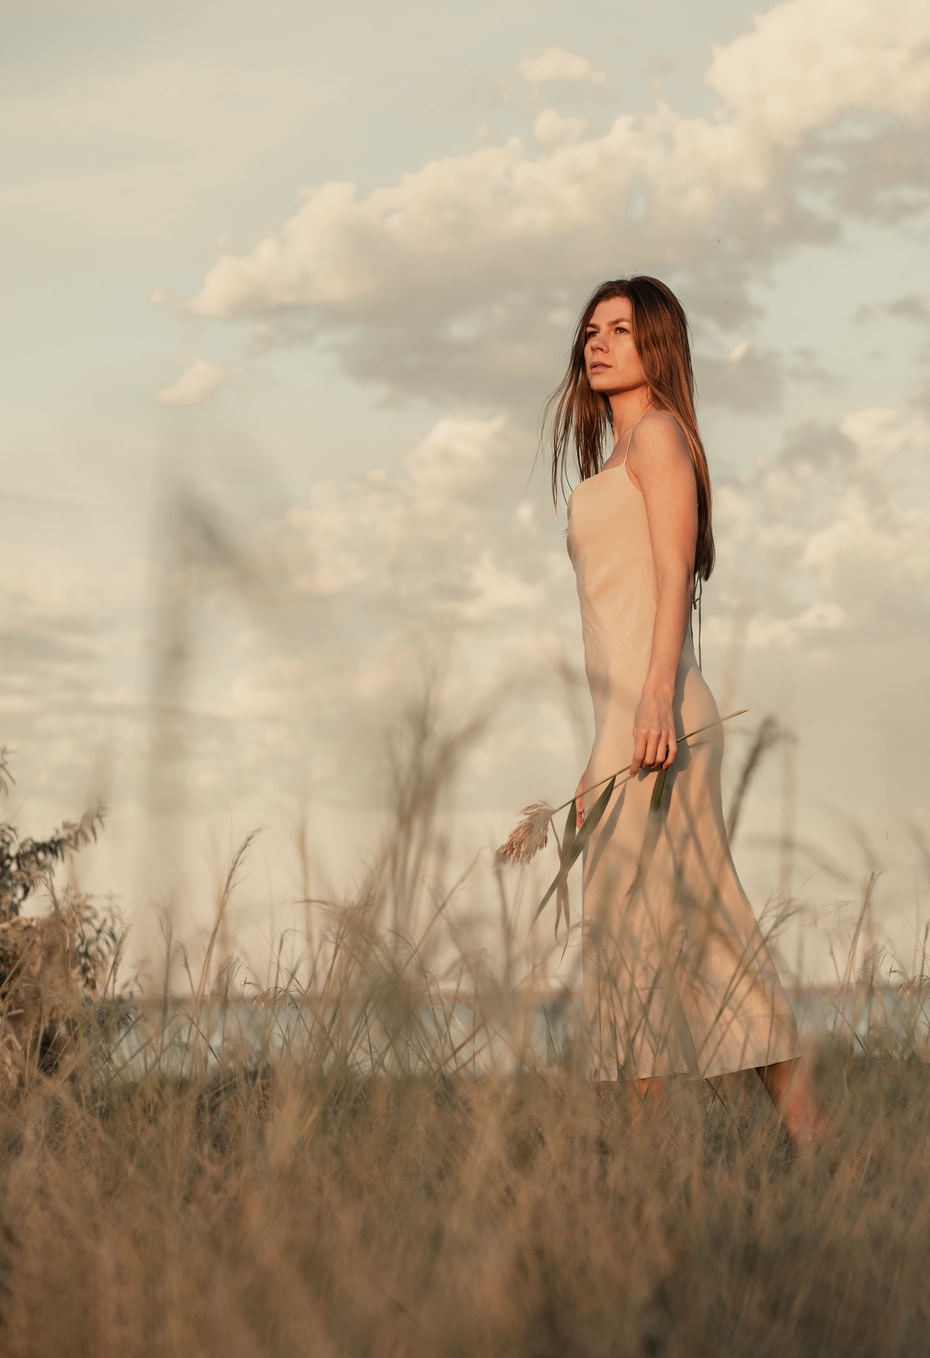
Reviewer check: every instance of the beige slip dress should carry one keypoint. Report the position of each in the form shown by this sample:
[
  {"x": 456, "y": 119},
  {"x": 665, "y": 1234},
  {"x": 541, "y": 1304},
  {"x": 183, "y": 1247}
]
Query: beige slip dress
[{"x": 677, "y": 976}]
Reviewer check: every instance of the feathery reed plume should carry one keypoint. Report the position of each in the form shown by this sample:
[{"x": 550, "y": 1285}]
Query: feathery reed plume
[{"x": 531, "y": 835}]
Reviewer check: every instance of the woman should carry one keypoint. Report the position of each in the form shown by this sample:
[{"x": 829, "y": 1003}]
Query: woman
[{"x": 678, "y": 979}]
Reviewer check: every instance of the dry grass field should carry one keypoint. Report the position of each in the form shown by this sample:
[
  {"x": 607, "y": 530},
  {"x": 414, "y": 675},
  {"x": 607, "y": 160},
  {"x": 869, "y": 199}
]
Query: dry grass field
[
  {"x": 295, "y": 1211},
  {"x": 361, "y": 1183}
]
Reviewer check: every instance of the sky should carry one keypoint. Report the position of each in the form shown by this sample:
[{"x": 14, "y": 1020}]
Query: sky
[{"x": 285, "y": 289}]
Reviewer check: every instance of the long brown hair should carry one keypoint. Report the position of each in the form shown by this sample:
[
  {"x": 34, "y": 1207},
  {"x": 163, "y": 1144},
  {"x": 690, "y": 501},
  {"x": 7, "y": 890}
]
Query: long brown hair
[{"x": 581, "y": 419}]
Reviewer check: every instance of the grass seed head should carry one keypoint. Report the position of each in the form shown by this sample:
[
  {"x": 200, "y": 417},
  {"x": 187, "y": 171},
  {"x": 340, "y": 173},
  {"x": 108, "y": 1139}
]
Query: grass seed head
[{"x": 531, "y": 835}]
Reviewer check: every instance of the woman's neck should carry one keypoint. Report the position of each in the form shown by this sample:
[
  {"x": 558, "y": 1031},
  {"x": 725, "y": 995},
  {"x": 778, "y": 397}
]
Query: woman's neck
[{"x": 627, "y": 407}]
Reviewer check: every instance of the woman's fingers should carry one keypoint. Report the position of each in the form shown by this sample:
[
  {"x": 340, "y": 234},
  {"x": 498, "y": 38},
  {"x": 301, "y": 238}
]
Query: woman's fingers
[
  {"x": 646, "y": 751},
  {"x": 666, "y": 747},
  {"x": 639, "y": 752},
  {"x": 654, "y": 742},
  {"x": 652, "y": 749}
]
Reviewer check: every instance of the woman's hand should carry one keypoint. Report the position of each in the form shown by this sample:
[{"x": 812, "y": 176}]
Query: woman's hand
[
  {"x": 654, "y": 740},
  {"x": 579, "y": 799}
]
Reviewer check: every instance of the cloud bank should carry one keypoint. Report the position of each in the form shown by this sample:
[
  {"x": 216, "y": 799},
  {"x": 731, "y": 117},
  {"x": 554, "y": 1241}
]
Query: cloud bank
[{"x": 458, "y": 281}]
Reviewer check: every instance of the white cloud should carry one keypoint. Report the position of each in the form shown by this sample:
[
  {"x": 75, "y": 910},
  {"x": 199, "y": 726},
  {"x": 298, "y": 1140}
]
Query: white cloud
[
  {"x": 199, "y": 380},
  {"x": 458, "y": 264},
  {"x": 495, "y": 591},
  {"x": 380, "y": 576},
  {"x": 880, "y": 432},
  {"x": 444, "y": 541},
  {"x": 806, "y": 62},
  {"x": 834, "y": 534},
  {"x": 557, "y": 64},
  {"x": 550, "y": 129},
  {"x": 767, "y": 632}
]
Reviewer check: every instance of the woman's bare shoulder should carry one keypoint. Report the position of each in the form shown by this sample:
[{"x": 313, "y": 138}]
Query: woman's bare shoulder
[
  {"x": 660, "y": 430},
  {"x": 659, "y": 440}
]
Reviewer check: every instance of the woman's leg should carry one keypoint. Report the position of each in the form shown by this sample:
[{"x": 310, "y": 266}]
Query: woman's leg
[
  {"x": 793, "y": 1095},
  {"x": 647, "y": 1098}
]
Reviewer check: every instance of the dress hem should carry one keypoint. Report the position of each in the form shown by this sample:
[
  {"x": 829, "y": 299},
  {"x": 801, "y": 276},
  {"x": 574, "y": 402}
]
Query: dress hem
[{"x": 684, "y": 1074}]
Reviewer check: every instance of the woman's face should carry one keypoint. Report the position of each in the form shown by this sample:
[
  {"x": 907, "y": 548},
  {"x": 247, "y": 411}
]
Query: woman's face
[{"x": 611, "y": 360}]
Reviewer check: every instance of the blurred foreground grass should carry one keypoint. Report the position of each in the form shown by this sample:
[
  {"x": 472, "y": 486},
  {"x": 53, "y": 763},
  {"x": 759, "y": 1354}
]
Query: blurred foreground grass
[
  {"x": 277, "y": 1212},
  {"x": 370, "y": 1180}
]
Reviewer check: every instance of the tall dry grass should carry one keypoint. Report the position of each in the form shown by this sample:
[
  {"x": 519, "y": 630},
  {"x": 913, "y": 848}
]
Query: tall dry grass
[{"x": 359, "y": 1168}]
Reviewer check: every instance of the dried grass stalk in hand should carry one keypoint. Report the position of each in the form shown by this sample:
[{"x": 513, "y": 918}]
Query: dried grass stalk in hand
[{"x": 532, "y": 833}]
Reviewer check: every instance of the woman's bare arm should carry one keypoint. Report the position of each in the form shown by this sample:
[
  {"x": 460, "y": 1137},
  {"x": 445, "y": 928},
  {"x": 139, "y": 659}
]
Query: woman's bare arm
[{"x": 660, "y": 465}]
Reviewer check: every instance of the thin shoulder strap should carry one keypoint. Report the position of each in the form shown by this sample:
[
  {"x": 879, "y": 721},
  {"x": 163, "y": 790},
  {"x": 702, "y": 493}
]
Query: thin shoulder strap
[{"x": 629, "y": 443}]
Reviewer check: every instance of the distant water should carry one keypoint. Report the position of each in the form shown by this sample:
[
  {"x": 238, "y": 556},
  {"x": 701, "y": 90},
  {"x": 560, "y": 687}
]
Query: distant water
[{"x": 448, "y": 1033}]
